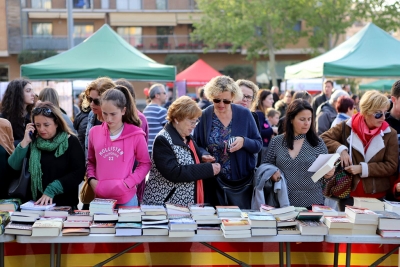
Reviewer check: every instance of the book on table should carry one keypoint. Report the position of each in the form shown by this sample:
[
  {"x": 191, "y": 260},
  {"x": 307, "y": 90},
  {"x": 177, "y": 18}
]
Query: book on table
[
  {"x": 236, "y": 233},
  {"x": 106, "y": 217},
  {"x": 392, "y": 206},
  {"x": 290, "y": 230},
  {"x": 155, "y": 231},
  {"x": 47, "y": 228},
  {"x": 102, "y": 205},
  {"x": 235, "y": 224},
  {"x": 211, "y": 229},
  {"x": 129, "y": 211},
  {"x": 30, "y": 205},
  {"x": 322, "y": 165},
  {"x": 77, "y": 224},
  {"x": 286, "y": 223},
  {"x": 388, "y": 220},
  {"x": 348, "y": 232},
  {"x": 182, "y": 224},
  {"x": 102, "y": 228},
  {"x": 309, "y": 215},
  {"x": 181, "y": 233},
  {"x": 338, "y": 222},
  {"x": 176, "y": 207},
  {"x": 24, "y": 217},
  {"x": 80, "y": 215},
  {"x": 388, "y": 233},
  {"x": 211, "y": 221},
  {"x": 326, "y": 210},
  {"x": 312, "y": 228},
  {"x": 58, "y": 211},
  {"x": 202, "y": 217},
  {"x": 276, "y": 211},
  {"x": 263, "y": 231},
  {"x": 128, "y": 229},
  {"x": 13, "y": 228},
  {"x": 130, "y": 218},
  {"x": 80, "y": 231},
  {"x": 153, "y": 209},
  {"x": 10, "y": 204},
  {"x": 201, "y": 208},
  {"x": 361, "y": 215},
  {"x": 154, "y": 217},
  {"x": 264, "y": 221},
  {"x": 286, "y": 216},
  {"x": 369, "y": 203},
  {"x": 154, "y": 222},
  {"x": 228, "y": 211}
]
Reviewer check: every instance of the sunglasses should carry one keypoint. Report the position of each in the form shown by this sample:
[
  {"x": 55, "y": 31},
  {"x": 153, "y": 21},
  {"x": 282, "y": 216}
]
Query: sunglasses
[
  {"x": 216, "y": 101},
  {"x": 44, "y": 111},
  {"x": 379, "y": 115},
  {"x": 95, "y": 101}
]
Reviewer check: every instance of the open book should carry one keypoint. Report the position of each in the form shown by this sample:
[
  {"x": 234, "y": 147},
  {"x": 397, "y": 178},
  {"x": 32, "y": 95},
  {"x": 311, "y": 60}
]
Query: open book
[{"x": 322, "y": 165}]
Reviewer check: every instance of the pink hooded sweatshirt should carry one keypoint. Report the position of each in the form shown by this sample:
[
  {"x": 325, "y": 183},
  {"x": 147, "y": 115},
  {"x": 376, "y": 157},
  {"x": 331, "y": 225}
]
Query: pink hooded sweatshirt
[{"x": 111, "y": 162}]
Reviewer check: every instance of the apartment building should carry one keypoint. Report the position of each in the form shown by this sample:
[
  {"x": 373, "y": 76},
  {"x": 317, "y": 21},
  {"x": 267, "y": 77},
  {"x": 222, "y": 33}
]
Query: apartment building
[{"x": 155, "y": 27}]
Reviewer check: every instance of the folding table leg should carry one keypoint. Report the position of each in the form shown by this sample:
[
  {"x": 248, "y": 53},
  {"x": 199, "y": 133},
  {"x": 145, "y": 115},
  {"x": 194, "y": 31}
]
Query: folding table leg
[
  {"x": 348, "y": 254},
  {"x": 241, "y": 263},
  {"x": 58, "y": 259},
  {"x": 117, "y": 255},
  {"x": 1, "y": 254},
  {"x": 336, "y": 255},
  {"x": 51, "y": 255},
  {"x": 288, "y": 261},
  {"x": 281, "y": 263}
]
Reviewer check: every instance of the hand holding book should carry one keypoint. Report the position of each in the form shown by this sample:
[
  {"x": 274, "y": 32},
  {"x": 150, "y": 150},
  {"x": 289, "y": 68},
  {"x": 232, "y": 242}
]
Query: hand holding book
[{"x": 330, "y": 173}]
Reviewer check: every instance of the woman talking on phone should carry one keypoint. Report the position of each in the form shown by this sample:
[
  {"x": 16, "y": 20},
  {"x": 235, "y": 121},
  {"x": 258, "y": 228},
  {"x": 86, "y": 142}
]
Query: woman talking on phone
[{"x": 56, "y": 159}]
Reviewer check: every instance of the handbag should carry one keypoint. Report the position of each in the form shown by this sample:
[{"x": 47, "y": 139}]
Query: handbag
[
  {"x": 87, "y": 194},
  {"x": 340, "y": 184},
  {"x": 235, "y": 192},
  {"x": 19, "y": 187}
]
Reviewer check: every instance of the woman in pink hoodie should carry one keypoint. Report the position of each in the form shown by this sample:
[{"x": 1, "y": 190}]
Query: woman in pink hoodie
[{"x": 113, "y": 148}]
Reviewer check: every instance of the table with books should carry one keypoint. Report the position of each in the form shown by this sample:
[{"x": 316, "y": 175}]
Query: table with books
[{"x": 4, "y": 239}]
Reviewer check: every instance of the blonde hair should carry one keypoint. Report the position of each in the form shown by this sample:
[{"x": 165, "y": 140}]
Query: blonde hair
[
  {"x": 221, "y": 84},
  {"x": 271, "y": 112},
  {"x": 51, "y": 95},
  {"x": 248, "y": 84},
  {"x": 100, "y": 85},
  {"x": 183, "y": 107},
  {"x": 373, "y": 101}
]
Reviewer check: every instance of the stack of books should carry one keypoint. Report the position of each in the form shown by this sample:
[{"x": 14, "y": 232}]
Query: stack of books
[
  {"x": 130, "y": 214},
  {"x": 154, "y": 220},
  {"x": 339, "y": 225},
  {"x": 58, "y": 212},
  {"x": 204, "y": 214},
  {"x": 10, "y": 204},
  {"x": 30, "y": 205},
  {"x": 4, "y": 220},
  {"x": 392, "y": 206},
  {"x": 369, "y": 203},
  {"x": 262, "y": 224},
  {"x": 388, "y": 224},
  {"x": 21, "y": 222},
  {"x": 236, "y": 228},
  {"x": 326, "y": 210},
  {"x": 280, "y": 214},
  {"x": 309, "y": 223},
  {"x": 182, "y": 227},
  {"x": 102, "y": 206},
  {"x": 228, "y": 212},
  {"x": 177, "y": 211},
  {"x": 78, "y": 223},
  {"x": 47, "y": 227},
  {"x": 128, "y": 229},
  {"x": 364, "y": 220},
  {"x": 102, "y": 228}
]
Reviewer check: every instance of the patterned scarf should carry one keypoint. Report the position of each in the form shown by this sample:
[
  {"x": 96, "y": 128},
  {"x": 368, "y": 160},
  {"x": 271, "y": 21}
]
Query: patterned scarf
[{"x": 59, "y": 143}]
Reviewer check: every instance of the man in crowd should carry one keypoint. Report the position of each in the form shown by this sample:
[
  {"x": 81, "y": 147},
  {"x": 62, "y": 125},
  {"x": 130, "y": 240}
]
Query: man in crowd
[
  {"x": 203, "y": 103},
  {"x": 326, "y": 113},
  {"x": 275, "y": 93},
  {"x": 155, "y": 113},
  {"x": 346, "y": 87},
  {"x": 282, "y": 104},
  {"x": 324, "y": 96}
]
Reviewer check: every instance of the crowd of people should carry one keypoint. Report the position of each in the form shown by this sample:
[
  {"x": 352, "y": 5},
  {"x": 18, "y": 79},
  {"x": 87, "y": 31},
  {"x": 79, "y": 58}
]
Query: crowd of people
[{"x": 182, "y": 152}]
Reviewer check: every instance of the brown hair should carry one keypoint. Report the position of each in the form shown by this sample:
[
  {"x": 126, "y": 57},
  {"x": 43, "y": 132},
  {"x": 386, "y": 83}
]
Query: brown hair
[
  {"x": 51, "y": 95},
  {"x": 183, "y": 107},
  {"x": 101, "y": 85},
  {"x": 56, "y": 115},
  {"x": 261, "y": 96},
  {"x": 271, "y": 112}
]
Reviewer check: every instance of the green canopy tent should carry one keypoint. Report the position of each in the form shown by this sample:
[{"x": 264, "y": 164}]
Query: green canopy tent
[
  {"x": 371, "y": 52},
  {"x": 104, "y": 53},
  {"x": 381, "y": 85}
]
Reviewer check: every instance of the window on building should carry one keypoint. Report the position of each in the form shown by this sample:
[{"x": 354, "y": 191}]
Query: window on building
[
  {"x": 297, "y": 26},
  {"x": 41, "y": 4},
  {"x": 161, "y": 4},
  {"x": 42, "y": 29},
  {"x": 129, "y": 4},
  {"x": 4, "y": 73},
  {"x": 163, "y": 33},
  {"x": 132, "y": 35},
  {"x": 81, "y": 3},
  {"x": 83, "y": 30}
]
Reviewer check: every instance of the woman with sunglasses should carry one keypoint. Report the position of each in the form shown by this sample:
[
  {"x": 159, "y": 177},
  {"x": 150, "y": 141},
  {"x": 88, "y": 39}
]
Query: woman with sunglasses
[
  {"x": 16, "y": 105},
  {"x": 176, "y": 175},
  {"x": 374, "y": 158},
  {"x": 227, "y": 134},
  {"x": 56, "y": 159},
  {"x": 91, "y": 102},
  {"x": 115, "y": 146}
]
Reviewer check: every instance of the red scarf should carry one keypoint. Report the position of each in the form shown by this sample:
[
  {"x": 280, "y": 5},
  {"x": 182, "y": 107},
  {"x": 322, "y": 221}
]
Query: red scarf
[
  {"x": 363, "y": 132},
  {"x": 200, "y": 192}
]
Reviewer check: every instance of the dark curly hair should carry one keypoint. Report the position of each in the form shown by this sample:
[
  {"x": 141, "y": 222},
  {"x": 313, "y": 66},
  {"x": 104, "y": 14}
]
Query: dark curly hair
[{"x": 13, "y": 102}]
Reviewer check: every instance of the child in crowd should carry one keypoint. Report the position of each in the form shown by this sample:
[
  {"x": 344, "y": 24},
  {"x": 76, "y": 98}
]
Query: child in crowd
[
  {"x": 115, "y": 145},
  {"x": 273, "y": 119}
]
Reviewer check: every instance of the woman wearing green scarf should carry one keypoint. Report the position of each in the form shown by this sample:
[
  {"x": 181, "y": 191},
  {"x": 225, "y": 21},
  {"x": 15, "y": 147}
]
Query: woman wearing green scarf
[{"x": 56, "y": 159}]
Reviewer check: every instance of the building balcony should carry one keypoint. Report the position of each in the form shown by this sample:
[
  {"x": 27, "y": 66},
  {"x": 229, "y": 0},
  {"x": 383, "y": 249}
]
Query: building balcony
[
  {"x": 114, "y": 5},
  {"x": 148, "y": 44}
]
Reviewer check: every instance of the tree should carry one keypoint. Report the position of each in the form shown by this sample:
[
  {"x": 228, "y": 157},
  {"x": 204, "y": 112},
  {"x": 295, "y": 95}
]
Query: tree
[
  {"x": 327, "y": 20},
  {"x": 259, "y": 26},
  {"x": 239, "y": 71},
  {"x": 29, "y": 56},
  {"x": 181, "y": 61}
]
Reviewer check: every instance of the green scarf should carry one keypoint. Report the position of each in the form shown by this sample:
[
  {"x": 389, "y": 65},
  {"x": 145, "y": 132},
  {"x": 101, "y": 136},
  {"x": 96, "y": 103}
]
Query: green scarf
[{"x": 59, "y": 143}]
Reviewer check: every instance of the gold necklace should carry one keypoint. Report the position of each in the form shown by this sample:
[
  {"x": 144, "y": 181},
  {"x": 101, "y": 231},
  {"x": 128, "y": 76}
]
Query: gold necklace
[{"x": 113, "y": 132}]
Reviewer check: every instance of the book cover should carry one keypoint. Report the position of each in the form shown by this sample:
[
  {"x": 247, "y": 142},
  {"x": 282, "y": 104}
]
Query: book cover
[
  {"x": 338, "y": 222},
  {"x": 80, "y": 215},
  {"x": 173, "y": 206},
  {"x": 322, "y": 165},
  {"x": 288, "y": 230},
  {"x": 235, "y": 223},
  {"x": 128, "y": 225},
  {"x": 324, "y": 209},
  {"x": 77, "y": 224},
  {"x": 10, "y": 204},
  {"x": 309, "y": 215},
  {"x": 312, "y": 228},
  {"x": 76, "y": 231},
  {"x": 103, "y": 201},
  {"x": 276, "y": 211},
  {"x": 369, "y": 203},
  {"x": 129, "y": 210},
  {"x": 30, "y": 205},
  {"x": 58, "y": 211},
  {"x": 13, "y": 228},
  {"x": 102, "y": 225}
]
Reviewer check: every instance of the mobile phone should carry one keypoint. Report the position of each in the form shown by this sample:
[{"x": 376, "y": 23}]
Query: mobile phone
[
  {"x": 32, "y": 135},
  {"x": 230, "y": 141}
]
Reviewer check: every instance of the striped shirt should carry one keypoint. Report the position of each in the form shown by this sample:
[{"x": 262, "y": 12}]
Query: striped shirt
[{"x": 155, "y": 116}]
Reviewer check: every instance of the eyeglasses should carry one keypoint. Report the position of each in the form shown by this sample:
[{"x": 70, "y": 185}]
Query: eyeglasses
[
  {"x": 194, "y": 122},
  {"x": 95, "y": 101},
  {"x": 162, "y": 93},
  {"x": 216, "y": 101},
  {"x": 248, "y": 98},
  {"x": 44, "y": 111},
  {"x": 380, "y": 114}
]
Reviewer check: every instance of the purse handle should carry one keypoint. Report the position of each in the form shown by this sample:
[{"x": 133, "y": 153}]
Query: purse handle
[{"x": 345, "y": 139}]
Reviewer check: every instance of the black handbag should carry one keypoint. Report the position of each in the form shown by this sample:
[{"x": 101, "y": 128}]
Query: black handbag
[
  {"x": 19, "y": 187},
  {"x": 235, "y": 192}
]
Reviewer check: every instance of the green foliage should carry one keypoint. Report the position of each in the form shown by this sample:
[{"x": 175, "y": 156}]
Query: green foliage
[
  {"x": 181, "y": 61},
  {"x": 28, "y": 56},
  {"x": 239, "y": 71}
]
